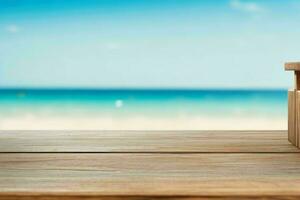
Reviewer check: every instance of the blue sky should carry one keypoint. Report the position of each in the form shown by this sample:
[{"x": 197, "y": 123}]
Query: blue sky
[{"x": 148, "y": 43}]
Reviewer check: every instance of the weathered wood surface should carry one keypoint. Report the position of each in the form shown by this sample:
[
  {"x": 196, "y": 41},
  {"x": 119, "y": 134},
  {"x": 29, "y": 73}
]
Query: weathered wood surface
[
  {"x": 145, "y": 141},
  {"x": 90, "y": 197},
  {"x": 63, "y": 166},
  {"x": 293, "y": 107},
  {"x": 150, "y": 174},
  {"x": 292, "y": 129}
]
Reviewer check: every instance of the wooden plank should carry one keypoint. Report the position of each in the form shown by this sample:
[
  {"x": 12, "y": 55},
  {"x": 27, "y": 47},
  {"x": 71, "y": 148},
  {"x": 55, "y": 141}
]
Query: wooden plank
[
  {"x": 291, "y": 117},
  {"x": 292, "y": 66},
  {"x": 162, "y": 165},
  {"x": 54, "y": 197},
  {"x": 297, "y": 118},
  {"x": 145, "y": 141},
  {"x": 150, "y": 174},
  {"x": 297, "y": 80}
]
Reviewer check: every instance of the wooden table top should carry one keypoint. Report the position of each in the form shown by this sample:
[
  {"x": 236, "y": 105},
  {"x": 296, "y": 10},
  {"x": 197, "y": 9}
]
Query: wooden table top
[{"x": 147, "y": 165}]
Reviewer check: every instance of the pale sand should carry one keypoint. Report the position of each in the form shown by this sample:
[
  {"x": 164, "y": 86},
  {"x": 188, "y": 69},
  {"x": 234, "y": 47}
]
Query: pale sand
[{"x": 139, "y": 123}]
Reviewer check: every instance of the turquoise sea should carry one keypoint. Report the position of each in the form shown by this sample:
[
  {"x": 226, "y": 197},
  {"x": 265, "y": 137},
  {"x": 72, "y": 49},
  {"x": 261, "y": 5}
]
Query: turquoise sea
[{"x": 111, "y": 109}]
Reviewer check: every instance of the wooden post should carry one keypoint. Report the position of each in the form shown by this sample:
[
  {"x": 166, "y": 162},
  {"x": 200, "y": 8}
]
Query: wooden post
[{"x": 294, "y": 105}]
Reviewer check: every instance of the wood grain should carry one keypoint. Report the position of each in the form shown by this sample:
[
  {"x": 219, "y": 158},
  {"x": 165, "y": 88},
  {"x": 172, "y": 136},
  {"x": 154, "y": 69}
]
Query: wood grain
[
  {"x": 297, "y": 118},
  {"x": 140, "y": 165},
  {"x": 150, "y": 174},
  {"x": 54, "y": 197},
  {"x": 145, "y": 141},
  {"x": 292, "y": 117}
]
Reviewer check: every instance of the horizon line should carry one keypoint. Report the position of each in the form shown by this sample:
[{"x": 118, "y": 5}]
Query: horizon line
[{"x": 145, "y": 88}]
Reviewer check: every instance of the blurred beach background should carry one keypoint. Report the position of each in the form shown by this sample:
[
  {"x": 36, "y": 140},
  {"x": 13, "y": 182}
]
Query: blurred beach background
[
  {"x": 146, "y": 64},
  {"x": 143, "y": 109}
]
